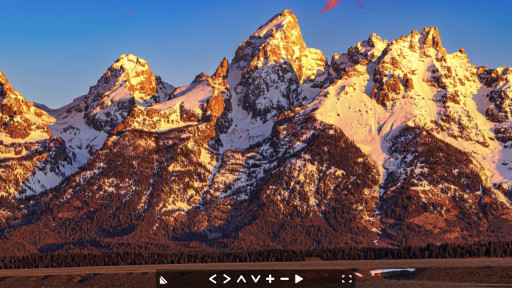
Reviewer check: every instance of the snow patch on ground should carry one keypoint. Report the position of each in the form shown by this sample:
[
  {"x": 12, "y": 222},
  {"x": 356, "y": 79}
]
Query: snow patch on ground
[{"x": 383, "y": 271}]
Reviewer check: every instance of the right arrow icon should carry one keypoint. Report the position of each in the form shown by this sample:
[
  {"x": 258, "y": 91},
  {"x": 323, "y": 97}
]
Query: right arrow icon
[
  {"x": 298, "y": 278},
  {"x": 227, "y": 278}
]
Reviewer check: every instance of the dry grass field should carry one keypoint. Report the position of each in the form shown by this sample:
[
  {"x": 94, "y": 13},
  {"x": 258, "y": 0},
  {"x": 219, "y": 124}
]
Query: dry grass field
[{"x": 474, "y": 272}]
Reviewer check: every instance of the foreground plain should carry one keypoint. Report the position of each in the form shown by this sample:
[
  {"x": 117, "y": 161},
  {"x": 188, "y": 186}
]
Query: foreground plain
[{"x": 469, "y": 272}]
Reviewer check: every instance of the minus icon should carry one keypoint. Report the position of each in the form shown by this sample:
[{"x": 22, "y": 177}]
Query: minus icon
[{"x": 284, "y": 278}]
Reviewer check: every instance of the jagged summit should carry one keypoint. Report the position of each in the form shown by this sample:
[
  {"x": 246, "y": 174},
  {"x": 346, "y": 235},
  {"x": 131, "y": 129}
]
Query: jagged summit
[
  {"x": 285, "y": 20},
  {"x": 282, "y": 28},
  {"x": 430, "y": 38},
  {"x": 222, "y": 71},
  {"x": 25, "y": 140},
  {"x": 85, "y": 123},
  {"x": 374, "y": 40},
  {"x": 200, "y": 77},
  {"x": 276, "y": 48},
  {"x": 128, "y": 62},
  {"x": 279, "y": 40},
  {"x": 20, "y": 120},
  {"x": 127, "y": 82},
  {"x": 131, "y": 71},
  {"x": 5, "y": 86}
]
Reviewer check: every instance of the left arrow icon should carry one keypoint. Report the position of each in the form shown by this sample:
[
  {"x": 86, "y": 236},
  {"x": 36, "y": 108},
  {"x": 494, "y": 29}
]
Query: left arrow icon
[
  {"x": 213, "y": 277},
  {"x": 227, "y": 278}
]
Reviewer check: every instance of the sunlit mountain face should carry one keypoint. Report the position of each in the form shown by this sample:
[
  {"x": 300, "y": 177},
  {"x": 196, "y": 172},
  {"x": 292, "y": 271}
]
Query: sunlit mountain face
[{"x": 389, "y": 144}]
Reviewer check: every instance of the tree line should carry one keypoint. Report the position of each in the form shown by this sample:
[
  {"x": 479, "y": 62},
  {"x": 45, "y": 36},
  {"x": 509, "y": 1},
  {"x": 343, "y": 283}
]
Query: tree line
[{"x": 446, "y": 250}]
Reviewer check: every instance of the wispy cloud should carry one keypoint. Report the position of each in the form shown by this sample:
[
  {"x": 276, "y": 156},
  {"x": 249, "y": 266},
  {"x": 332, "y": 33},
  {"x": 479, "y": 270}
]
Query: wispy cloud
[
  {"x": 329, "y": 5},
  {"x": 332, "y": 3},
  {"x": 365, "y": 7}
]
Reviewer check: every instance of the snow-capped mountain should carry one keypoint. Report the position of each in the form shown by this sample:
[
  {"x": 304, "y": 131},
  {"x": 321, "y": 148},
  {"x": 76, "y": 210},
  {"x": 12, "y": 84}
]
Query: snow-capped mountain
[
  {"x": 391, "y": 144},
  {"x": 84, "y": 124},
  {"x": 26, "y": 142},
  {"x": 21, "y": 121}
]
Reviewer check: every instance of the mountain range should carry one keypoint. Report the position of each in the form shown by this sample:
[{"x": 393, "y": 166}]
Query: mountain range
[{"x": 387, "y": 145}]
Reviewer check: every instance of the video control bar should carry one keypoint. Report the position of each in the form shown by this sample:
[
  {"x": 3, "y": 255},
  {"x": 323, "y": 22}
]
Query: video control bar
[{"x": 255, "y": 278}]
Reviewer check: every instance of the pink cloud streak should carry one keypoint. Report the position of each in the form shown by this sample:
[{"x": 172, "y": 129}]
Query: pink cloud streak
[{"x": 329, "y": 5}]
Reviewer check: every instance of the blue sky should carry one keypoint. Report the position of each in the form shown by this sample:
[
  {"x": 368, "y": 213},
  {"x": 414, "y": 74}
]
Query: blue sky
[{"x": 53, "y": 51}]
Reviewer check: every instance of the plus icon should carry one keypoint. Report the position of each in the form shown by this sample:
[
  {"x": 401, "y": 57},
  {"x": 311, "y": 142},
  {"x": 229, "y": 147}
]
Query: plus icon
[{"x": 270, "y": 278}]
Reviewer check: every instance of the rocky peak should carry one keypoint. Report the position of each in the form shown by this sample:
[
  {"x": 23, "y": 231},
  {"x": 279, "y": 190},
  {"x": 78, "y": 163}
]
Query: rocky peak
[
  {"x": 395, "y": 70},
  {"x": 5, "y": 87},
  {"x": 430, "y": 38},
  {"x": 128, "y": 81},
  {"x": 135, "y": 73},
  {"x": 222, "y": 71},
  {"x": 163, "y": 90},
  {"x": 277, "y": 41},
  {"x": 276, "y": 49},
  {"x": 200, "y": 77},
  {"x": 369, "y": 50},
  {"x": 283, "y": 42},
  {"x": 374, "y": 40},
  {"x": 283, "y": 22},
  {"x": 20, "y": 121},
  {"x": 128, "y": 62},
  {"x": 361, "y": 53}
]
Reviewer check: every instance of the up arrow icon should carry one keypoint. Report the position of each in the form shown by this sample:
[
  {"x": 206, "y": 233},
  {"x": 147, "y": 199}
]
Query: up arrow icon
[{"x": 241, "y": 278}]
